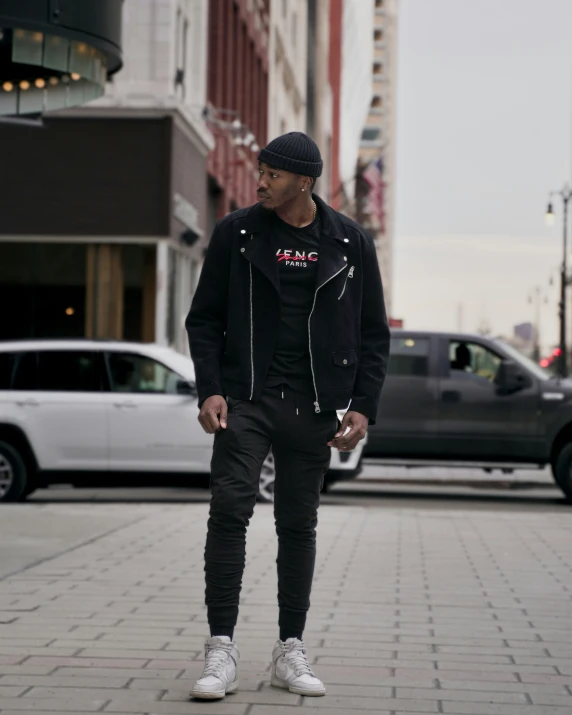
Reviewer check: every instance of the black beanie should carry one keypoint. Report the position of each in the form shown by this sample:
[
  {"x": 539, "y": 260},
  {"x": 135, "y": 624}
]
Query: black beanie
[{"x": 294, "y": 152}]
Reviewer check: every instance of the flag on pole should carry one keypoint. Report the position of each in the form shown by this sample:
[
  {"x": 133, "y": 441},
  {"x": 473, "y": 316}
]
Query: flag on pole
[{"x": 373, "y": 176}]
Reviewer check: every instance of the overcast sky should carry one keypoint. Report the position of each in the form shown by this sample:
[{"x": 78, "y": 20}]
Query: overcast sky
[{"x": 484, "y": 133}]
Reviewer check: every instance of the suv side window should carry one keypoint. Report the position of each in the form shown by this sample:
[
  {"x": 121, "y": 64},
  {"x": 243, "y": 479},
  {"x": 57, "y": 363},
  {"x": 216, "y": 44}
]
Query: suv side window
[
  {"x": 409, "y": 357},
  {"x": 25, "y": 375},
  {"x": 7, "y": 365},
  {"x": 67, "y": 371},
  {"x": 130, "y": 372},
  {"x": 473, "y": 361}
]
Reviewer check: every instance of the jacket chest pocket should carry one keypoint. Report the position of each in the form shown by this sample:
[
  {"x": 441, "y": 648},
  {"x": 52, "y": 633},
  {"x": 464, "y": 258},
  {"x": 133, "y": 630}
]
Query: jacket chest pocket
[{"x": 344, "y": 358}]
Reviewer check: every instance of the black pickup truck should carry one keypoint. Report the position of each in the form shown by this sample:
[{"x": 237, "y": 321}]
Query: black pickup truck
[{"x": 468, "y": 400}]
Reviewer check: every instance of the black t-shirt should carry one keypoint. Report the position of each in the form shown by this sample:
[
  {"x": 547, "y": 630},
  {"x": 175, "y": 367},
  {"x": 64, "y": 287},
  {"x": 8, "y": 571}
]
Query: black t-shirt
[{"x": 296, "y": 251}]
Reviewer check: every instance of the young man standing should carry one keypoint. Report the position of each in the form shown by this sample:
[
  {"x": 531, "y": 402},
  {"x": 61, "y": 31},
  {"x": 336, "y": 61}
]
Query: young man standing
[{"x": 287, "y": 326}]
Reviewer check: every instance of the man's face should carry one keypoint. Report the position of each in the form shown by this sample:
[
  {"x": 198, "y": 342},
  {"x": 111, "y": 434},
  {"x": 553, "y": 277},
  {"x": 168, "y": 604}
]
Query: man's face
[{"x": 277, "y": 187}]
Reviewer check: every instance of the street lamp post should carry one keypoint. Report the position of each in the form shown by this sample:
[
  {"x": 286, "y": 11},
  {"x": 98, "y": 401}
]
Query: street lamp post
[{"x": 565, "y": 194}]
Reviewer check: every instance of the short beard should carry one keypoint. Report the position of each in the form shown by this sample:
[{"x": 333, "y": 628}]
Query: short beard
[{"x": 265, "y": 207}]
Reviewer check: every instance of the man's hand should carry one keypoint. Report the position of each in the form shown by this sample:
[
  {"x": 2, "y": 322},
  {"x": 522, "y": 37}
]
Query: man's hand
[
  {"x": 213, "y": 414},
  {"x": 358, "y": 424}
]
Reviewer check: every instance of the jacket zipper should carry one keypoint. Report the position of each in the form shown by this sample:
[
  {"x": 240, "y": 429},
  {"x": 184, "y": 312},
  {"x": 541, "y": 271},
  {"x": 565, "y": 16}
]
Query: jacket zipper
[
  {"x": 349, "y": 275},
  {"x": 317, "y": 403},
  {"x": 251, "y": 337}
]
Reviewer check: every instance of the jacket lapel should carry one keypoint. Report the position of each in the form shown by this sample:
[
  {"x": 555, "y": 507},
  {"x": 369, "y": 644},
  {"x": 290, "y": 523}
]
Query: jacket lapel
[
  {"x": 259, "y": 250},
  {"x": 332, "y": 260},
  {"x": 259, "y": 247},
  {"x": 333, "y": 247}
]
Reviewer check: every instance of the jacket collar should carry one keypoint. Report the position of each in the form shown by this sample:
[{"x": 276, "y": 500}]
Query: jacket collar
[
  {"x": 259, "y": 220},
  {"x": 260, "y": 252}
]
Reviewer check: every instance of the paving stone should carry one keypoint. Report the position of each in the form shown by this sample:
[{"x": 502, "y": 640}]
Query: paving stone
[
  {"x": 60, "y": 704},
  {"x": 307, "y": 709},
  {"x": 8, "y": 670},
  {"x": 56, "y": 662},
  {"x": 226, "y": 707},
  {"x": 462, "y": 695},
  {"x": 98, "y": 672},
  {"x": 101, "y": 693},
  {"x": 331, "y": 702},
  {"x": 55, "y": 681},
  {"x": 11, "y": 691},
  {"x": 459, "y": 708},
  {"x": 468, "y": 611},
  {"x": 502, "y": 687}
]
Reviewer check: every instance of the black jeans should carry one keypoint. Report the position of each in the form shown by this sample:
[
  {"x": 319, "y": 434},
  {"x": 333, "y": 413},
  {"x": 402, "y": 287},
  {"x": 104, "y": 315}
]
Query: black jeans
[{"x": 286, "y": 421}]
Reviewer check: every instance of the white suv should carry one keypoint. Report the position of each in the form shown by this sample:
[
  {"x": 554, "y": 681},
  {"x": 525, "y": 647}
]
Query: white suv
[{"x": 90, "y": 412}]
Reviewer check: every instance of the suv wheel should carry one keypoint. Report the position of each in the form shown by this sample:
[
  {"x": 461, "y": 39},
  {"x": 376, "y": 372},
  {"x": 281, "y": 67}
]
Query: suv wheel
[
  {"x": 12, "y": 473},
  {"x": 562, "y": 470},
  {"x": 267, "y": 478}
]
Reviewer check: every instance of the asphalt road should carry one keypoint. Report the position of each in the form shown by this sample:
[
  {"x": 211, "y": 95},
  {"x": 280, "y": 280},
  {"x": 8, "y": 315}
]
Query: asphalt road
[{"x": 378, "y": 485}]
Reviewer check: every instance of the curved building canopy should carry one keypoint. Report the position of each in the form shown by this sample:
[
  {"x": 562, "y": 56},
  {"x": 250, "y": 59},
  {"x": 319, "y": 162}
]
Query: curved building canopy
[{"x": 56, "y": 53}]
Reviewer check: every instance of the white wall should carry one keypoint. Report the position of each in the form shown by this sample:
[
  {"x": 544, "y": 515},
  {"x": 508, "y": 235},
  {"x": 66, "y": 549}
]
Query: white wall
[
  {"x": 159, "y": 37},
  {"x": 357, "y": 58}
]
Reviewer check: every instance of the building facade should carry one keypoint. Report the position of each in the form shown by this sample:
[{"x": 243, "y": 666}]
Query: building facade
[
  {"x": 114, "y": 243},
  {"x": 357, "y": 51},
  {"x": 319, "y": 94},
  {"x": 237, "y": 100},
  {"x": 375, "y": 187},
  {"x": 288, "y": 50}
]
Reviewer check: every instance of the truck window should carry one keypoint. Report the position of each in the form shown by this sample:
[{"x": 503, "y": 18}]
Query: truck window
[
  {"x": 409, "y": 357},
  {"x": 473, "y": 359}
]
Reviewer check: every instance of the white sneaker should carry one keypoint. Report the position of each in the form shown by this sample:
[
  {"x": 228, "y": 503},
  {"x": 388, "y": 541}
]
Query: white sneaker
[
  {"x": 220, "y": 674},
  {"x": 291, "y": 670}
]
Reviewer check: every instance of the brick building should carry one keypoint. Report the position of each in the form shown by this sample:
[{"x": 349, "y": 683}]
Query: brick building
[{"x": 237, "y": 94}]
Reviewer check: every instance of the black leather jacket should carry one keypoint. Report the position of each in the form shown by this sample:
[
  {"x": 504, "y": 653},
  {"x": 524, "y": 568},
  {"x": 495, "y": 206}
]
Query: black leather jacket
[{"x": 235, "y": 314}]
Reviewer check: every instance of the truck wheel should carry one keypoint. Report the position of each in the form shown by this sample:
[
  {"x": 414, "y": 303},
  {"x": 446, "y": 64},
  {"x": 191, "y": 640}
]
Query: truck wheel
[
  {"x": 13, "y": 477},
  {"x": 562, "y": 470}
]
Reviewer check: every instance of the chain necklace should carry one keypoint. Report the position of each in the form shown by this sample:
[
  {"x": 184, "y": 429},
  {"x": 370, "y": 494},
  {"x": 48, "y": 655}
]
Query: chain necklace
[{"x": 315, "y": 210}]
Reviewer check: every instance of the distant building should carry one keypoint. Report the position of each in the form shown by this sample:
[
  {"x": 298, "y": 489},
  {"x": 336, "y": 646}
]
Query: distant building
[
  {"x": 319, "y": 92},
  {"x": 524, "y": 332},
  {"x": 287, "y": 58},
  {"x": 357, "y": 58},
  {"x": 376, "y": 169}
]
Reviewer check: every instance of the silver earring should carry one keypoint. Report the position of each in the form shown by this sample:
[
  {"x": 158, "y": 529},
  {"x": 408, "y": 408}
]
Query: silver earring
[{"x": 303, "y": 189}]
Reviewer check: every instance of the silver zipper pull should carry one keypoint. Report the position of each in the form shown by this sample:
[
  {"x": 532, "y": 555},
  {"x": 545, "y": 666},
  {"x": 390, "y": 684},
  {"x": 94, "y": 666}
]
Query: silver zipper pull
[
  {"x": 317, "y": 407},
  {"x": 351, "y": 273}
]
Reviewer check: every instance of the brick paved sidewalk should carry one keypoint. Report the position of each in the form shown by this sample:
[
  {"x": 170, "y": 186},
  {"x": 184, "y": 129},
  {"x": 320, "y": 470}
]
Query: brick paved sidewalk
[{"x": 414, "y": 611}]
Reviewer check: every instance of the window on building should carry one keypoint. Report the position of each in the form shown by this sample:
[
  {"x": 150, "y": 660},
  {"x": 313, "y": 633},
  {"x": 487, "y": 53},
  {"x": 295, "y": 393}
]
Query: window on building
[
  {"x": 294, "y": 29},
  {"x": 409, "y": 357},
  {"x": 371, "y": 134},
  {"x": 178, "y": 36},
  {"x": 185, "y": 43},
  {"x": 377, "y": 68},
  {"x": 376, "y": 101},
  {"x": 379, "y": 3},
  {"x": 181, "y": 50},
  {"x": 378, "y": 35}
]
